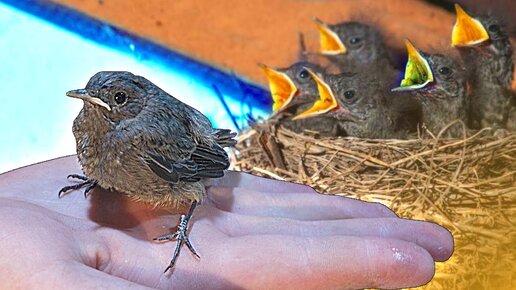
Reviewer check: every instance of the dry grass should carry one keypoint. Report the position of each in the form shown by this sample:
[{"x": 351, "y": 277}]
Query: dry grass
[{"x": 467, "y": 185}]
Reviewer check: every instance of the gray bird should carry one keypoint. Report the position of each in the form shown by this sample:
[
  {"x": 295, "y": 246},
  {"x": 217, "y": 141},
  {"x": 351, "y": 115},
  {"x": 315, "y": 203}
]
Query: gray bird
[
  {"x": 134, "y": 138},
  {"x": 357, "y": 47},
  {"x": 488, "y": 56},
  {"x": 293, "y": 91},
  {"x": 364, "y": 107},
  {"x": 439, "y": 83}
]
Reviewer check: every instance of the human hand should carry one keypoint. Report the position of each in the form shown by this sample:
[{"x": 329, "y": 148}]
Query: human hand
[{"x": 250, "y": 232}]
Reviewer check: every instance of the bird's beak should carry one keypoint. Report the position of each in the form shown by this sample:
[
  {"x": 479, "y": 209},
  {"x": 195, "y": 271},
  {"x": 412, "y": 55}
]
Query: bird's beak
[
  {"x": 325, "y": 103},
  {"x": 330, "y": 41},
  {"x": 83, "y": 95},
  {"x": 418, "y": 73},
  {"x": 467, "y": 31},
  {"x": 282, "y": 88}
]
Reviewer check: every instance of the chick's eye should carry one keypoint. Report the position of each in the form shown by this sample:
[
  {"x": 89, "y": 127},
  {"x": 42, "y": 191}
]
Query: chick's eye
[
  {"x": 303, "y": 74},
  {"x": 494, "y": 28},
  {"x": 120, "y": 97},
  {"x": 349, "y": 94},
  {"x": 444, "y": 70},
  {"x": 355, "y": 40}
]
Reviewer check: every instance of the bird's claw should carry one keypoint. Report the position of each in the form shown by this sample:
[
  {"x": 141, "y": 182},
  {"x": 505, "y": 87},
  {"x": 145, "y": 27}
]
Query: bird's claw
[
  {"x": 182, "y": 237},
  {"x": 86, "y": 182}
]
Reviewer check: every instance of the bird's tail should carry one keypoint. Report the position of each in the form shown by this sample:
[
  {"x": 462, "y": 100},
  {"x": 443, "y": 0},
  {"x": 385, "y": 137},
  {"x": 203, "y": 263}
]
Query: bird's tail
[{"x": 224, "y": 137}]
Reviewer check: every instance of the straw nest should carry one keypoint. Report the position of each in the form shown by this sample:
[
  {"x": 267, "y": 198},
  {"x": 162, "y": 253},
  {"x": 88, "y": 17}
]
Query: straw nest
[{"x": 467, "y": 185}]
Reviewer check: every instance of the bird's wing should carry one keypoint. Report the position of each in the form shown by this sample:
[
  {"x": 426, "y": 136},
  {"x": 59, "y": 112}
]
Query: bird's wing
[{"x": 174, "y": 155}]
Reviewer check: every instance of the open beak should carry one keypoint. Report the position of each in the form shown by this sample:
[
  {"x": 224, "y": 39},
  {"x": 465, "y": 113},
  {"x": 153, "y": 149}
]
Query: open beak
[
  {"x": 418, "y": 73},
  {"x": 325, "y": 103},
  {"x": 467, "y": 31},
  {"x": 330, "y": 41},
  {"x": 282, "y": 88},
  {"x": 83, "y": 95}
]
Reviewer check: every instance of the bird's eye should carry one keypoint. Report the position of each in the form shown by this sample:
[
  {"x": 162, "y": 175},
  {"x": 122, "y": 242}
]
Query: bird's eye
[
  {"x": 494, "y": 28},
  {"x": 444, "y": 70},
  {"x": 120, "y": 97},
  {"x": 349, "y": 95},
  {"x": 303, "y": 74},
  {"x": 355, "y": 40}
]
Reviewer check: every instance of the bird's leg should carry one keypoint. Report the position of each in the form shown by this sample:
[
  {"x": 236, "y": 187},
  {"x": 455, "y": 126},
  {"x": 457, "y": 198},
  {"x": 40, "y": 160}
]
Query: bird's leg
[
  {"x": 181, "y": 236},
  {"x": 86, "y": 182}
]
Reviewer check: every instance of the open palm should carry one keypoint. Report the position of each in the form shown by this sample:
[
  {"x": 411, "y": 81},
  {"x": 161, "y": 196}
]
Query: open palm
[{"x": 250, "y": 232}]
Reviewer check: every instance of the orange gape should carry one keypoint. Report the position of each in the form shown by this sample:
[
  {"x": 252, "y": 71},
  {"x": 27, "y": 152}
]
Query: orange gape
[
  {"x": 467, "y": 31},
  {"x": 281, "y": 86},
  {"x": 325, "y": 103},
  {"x": 330, "y": 41}
]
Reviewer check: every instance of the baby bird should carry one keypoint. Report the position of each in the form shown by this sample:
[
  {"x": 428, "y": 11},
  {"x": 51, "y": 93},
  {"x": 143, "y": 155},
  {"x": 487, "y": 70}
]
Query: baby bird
[
  {"x": 355, "y": 47},
  {"x": 293, "y": 91},
  {"x": 134, "y": 138},
  {"x": 488, "y": 56},
  {"x": 439, "y": 83},
  {"x": 364, "y": 107}
]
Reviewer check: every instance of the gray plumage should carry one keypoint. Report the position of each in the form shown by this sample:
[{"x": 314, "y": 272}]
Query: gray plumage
[
  {"x": 444, "y": 100},
  {"x": 374, "y": 112},
  {"x": 490, "y": 69},
  {"x": 306, "y": 95},
  {"x": 366, "y": 51},
  {"x": 150, "y": 146}
]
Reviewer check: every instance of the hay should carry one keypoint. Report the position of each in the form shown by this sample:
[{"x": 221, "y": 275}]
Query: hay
[{"x": 467, "y": 185}]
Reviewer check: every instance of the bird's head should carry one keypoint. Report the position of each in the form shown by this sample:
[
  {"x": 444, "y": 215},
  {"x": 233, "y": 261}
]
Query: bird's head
[
  {"x": 427, "y": 73},
  {"x": 352, "y": 41},
  {"x": 449, "y": 75},
  {"x": 291, "y": 86},
  {"x": 339, "y": 97},
  {"x": 113, "y": 96},
  {"x": 477, "y": 32}
]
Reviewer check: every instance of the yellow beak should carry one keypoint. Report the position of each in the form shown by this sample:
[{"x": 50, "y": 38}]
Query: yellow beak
[
  {"x": 330, "y": 41},
  {"x": 418, "y": 73},
  {"x": 326, "y": 102},
  {"x": 83, "y": 95},
  {"x": 467, "y": 31},
  {"x": 281, "y": 86}
]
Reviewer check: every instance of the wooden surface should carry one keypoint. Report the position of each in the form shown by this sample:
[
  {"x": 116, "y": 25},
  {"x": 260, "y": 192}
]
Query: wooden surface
[{"x": 236, "y": 35}]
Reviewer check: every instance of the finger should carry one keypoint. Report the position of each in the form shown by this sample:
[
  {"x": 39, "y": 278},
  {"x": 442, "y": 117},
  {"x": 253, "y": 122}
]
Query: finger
[
  {"x": 288, "y": 262},
  {"x": 246, "y": 180},
  {"x": 437, "y": 240},
  {"x": 302, "y": 206}
]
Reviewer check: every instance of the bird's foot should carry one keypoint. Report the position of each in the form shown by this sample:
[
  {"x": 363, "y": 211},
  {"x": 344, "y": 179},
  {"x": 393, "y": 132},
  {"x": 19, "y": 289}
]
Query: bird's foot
[
  {"x": 86, "y": 182},
  {"x": 181, "y": 236}
]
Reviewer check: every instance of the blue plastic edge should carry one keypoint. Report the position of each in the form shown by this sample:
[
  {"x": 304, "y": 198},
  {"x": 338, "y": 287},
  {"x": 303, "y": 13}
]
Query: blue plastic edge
[{"x": 111, "y": 36}]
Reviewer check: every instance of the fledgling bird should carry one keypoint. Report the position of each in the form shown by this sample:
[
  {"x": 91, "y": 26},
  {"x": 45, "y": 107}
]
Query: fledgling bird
[
  {"x": 439, "y": 83},
  {"x": 364, "y": 107},
  {"x": 488, "y": 56},
  {"x": 293, "y": 91},
  {"x": 135, "y": 138},
  {"x": 356, "y": 47}
]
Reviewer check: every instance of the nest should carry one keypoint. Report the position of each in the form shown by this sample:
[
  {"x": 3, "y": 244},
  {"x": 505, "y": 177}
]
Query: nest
[{"x": 467, "y": 185}]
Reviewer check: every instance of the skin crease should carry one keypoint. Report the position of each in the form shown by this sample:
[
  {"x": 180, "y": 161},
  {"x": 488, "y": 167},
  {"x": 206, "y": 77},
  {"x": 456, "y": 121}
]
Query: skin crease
[
  {"x": 305, "y": 96},
  {"x": 251, "y": 232},
  {"x": 445, "y": 99},
  {"x": 376, "y": 112},
  {"x": 491, "y": 66}
]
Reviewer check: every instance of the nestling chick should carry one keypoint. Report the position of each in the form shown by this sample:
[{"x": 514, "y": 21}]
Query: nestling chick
[
  {"x": 488, "y": 56},
  {"x": 293, "y": 91},
  {"x": 134, "y": 138},
  {"x": 357, "y": 47},
  {"x": 439, "y": 83},
  {"x": 364, "y": 107}
]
